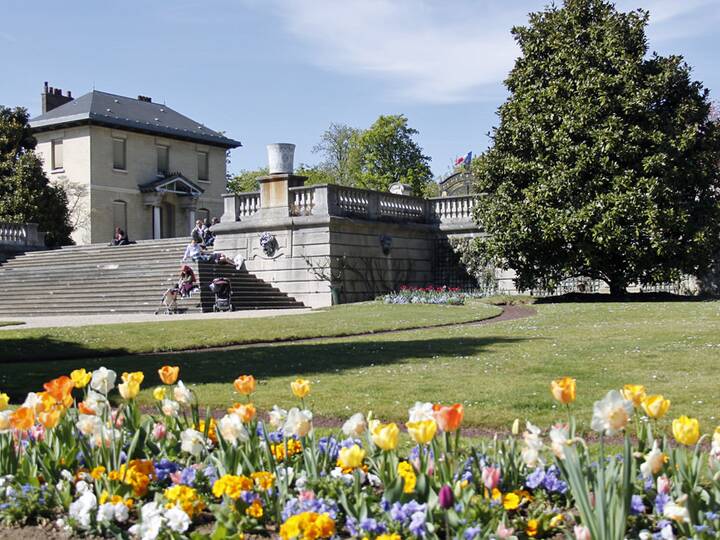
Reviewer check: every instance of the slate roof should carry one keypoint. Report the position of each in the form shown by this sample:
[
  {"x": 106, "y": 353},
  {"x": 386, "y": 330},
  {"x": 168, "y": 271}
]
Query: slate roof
[{"x": 111, "y": 110}]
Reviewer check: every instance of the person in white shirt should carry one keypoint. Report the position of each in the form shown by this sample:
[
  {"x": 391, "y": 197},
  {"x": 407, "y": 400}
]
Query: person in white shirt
[{"x": 192, "y": 251}]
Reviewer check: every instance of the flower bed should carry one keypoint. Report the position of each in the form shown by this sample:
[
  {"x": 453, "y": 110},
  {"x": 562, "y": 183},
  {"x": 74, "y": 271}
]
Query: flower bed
[
  {"x": 425, "y": 295},
  {"x": 71, "y": 455}
]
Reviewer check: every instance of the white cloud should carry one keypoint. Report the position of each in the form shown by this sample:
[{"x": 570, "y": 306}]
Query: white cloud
[
  {"x": 435, "y": 51},
  {"x": 428, "y": 51}
]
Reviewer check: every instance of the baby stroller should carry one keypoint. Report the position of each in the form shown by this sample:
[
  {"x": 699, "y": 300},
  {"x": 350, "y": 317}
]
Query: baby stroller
[
  {"x": 184, "y": 288},
  {"x": 223, "y": 293}
]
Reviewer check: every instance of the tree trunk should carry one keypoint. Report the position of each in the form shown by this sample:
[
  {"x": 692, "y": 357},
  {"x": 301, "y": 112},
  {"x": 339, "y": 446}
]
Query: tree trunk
[{"x": 618, "y": 287}]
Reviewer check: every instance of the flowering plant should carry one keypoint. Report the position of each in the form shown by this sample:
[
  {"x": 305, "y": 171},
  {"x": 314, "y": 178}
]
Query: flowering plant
[
  {"x": 425, "y": 295},
  {"x": 96, "y": 464}
]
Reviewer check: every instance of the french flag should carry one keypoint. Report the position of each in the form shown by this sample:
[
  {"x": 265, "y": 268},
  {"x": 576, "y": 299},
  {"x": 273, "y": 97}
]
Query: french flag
[{"x": 464, "y": 160}]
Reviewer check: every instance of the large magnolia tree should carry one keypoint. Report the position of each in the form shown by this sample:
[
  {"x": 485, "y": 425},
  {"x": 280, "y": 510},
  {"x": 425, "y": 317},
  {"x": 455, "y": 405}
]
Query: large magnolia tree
[{"x": 605, "y": 161}]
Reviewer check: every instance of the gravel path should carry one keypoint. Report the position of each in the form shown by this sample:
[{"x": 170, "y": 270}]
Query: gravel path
[{"x": 117, "y": 318}]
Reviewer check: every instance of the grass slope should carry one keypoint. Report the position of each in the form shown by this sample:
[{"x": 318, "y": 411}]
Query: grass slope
[{"x": 499, "y": 371}]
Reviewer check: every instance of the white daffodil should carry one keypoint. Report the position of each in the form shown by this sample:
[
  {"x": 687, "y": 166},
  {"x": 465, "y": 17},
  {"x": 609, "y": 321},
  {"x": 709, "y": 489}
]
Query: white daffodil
[
  {"x": 182, "y": 394},
  {"x": 298, "y": 423},
  {"x": 232, "y": 429},
  {"x": 96, "y": 402},
  {"x": 103, "y": 380},
  {"x": 532, "y": 446},
  {"x": 420, "y": 411},
  {"x": 355, "y": 426},
  {"x": 559, "y": 439},
  {"x": 170, "y": 408},
  {"x": 192, "y": 442},
  {"x": 611, "y": 414},
  {"x": 88, "y": 424},
  {"x": 654, "y": 462},
  {"x": 277, "y": 417}
]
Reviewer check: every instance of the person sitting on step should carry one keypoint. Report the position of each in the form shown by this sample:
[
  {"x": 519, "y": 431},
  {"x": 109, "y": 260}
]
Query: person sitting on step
[
  {"x": 193, "y": 251},
  {"x": 120, "y": 238},
  {"x": 199, "y": 232},
  {"x": 186, "y": 283}
]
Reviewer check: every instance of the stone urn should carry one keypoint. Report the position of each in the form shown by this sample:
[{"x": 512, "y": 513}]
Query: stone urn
[{"x": 280, "y": 158}]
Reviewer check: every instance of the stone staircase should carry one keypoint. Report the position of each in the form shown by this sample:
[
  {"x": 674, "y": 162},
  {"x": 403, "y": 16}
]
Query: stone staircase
[{"x": 97, "y": 278}]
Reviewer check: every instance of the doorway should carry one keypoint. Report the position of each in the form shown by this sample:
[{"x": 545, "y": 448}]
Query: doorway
[{"x": 167, "y": 228}]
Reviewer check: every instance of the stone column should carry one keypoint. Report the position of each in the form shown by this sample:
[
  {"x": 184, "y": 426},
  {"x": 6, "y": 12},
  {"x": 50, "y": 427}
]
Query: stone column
[
  {"x": 189, "y": 205},
  {"x": 153, "y": 200},
  {"x": 274, "y": 195}
]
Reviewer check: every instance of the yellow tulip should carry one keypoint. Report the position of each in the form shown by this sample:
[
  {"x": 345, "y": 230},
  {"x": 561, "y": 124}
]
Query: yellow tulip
[
  {"x": 135, "y": 377},
  {"x": 655, "y": 406},
  {"x": 300, "y": 387},
  {"x": 422, "y": 432},
  {"x": 4, "y": 400},
  {"x": 385, "y": 436},
  {"x": 159, "y": 393},
  {"x": 635, "y": 393},
  {"x": 563, "y": 390},
  {"x": 351, "y": 458},
  {"x": 686, "y": 430},
  {"x": 80, "y": 378},
  {"x": 129, "y": 389}
]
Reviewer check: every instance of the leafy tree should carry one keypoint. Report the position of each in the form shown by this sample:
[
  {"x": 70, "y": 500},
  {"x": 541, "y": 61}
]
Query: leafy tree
[
  {"x": 246, "y": 180},
  {"x": 335, "y": 147},
  {"x": 387, "y": 153},
  {"x": 605, "y": 161},
  {"x": 26, "y": 196}
]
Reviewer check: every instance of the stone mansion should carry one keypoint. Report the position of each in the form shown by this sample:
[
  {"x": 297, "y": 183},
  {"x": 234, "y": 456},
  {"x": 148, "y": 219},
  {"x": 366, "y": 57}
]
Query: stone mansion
[{"x": 130, "y": 163}]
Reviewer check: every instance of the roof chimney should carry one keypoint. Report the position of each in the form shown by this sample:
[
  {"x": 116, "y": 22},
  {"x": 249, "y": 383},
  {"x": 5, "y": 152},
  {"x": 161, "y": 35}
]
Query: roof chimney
[
  {"x": 146, "y": 99},
  {"x": 52, "y": 98}
]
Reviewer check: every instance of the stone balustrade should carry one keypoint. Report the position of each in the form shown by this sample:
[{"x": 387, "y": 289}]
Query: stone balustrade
[
  {"x": 21, "y": 235},
  {"x": 336, "y": 200}
]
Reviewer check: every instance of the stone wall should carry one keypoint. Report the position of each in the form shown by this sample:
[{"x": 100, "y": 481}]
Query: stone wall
[{"x": 338, "y": 244}]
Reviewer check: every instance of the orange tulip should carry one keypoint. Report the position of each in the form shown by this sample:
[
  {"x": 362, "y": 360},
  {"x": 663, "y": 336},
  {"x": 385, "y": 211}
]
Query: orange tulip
[
  {"x": 60, "y": 389},
  {"x": 49, "y": 419},
  {"x": 246, "y": 411},
  {"x": 448, "y": 418},
  {"x": 22, "y": 418},
  {"x": 563, "y": 390},
  {"x": 245, "y": 384},
  {"x": 169, "y": 374}
]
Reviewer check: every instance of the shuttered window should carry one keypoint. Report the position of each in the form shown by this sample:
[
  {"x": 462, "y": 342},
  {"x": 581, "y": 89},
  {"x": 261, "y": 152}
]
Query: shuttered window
[
  {"x": 57, "y": 154},
  {"x": 202, "y": 160},
  {"x": 119, "y": 154},
  {"x": 163, "y": 160}
]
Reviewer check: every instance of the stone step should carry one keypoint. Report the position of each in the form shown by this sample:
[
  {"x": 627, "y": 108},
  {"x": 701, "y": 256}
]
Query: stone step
[{"x": 120, "y": 279}]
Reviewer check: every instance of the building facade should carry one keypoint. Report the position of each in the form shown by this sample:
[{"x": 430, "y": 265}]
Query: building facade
[{"x": 130, "y": 163}]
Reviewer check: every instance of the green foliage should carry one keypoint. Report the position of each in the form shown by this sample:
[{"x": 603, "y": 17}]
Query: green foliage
[
  {"x": 246, "y": 180},
  {"x": 26, "y": 196},
  {"x": 387, "y": 153},
  {"x": 316, "y": 175},
  {"x": 605, "y": 162},
  {"x": 335, "y": 147}
]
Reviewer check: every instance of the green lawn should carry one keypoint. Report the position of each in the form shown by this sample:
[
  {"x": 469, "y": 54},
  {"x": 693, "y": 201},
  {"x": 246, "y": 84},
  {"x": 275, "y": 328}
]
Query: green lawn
[
  {"x": 499, "y": 371},
  {"x": 134, "y": 338}
]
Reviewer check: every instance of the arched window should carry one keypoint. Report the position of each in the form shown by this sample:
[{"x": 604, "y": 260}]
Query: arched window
[{"x": 120, "y": 215}]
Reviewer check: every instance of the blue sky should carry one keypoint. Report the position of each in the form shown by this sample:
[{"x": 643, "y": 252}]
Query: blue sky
[{"x": 282, "y": 70}]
